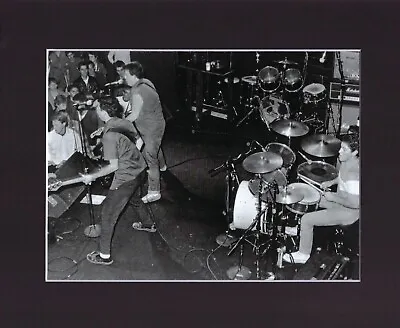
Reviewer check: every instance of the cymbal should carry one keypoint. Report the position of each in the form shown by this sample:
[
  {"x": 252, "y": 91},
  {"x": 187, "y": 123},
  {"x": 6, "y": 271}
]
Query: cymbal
[
  {"x": 262, "y": 162},
  {"x": 285, "y": 62},
  {"x": 317, "y": 171},
  {"x": 289, "y": 128},
  {"x": 321, "y": 145},
  {"x": 289, "y": 195}
]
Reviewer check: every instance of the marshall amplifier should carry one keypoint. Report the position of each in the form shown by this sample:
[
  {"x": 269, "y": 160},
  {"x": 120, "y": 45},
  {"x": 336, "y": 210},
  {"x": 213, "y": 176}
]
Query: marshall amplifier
[{"x": 323, "y": 266}]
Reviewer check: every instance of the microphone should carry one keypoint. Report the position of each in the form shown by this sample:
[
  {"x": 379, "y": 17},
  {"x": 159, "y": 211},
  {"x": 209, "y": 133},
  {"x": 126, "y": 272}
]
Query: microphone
[
  {"x": 323, "y": 57},
  {"x": 114, "y": 83}
]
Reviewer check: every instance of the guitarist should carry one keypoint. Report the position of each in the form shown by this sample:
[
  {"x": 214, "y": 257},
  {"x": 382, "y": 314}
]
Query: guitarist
[{"x": 128, "y": 165}]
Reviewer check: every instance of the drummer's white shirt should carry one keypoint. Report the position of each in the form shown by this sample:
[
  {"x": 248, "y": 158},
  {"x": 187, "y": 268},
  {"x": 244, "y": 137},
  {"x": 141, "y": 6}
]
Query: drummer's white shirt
[{"x": 350, "y": 186}]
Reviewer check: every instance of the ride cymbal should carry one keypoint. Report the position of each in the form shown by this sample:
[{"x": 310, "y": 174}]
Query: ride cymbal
[
  {"x": 289, "y": 128},
  {"x": 262, "y": 162},
  {"x": 321, "y": 145}
]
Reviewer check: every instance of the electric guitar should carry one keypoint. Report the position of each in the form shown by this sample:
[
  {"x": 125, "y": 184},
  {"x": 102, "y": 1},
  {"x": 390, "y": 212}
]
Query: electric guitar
[{"x": 55, "y": 184}]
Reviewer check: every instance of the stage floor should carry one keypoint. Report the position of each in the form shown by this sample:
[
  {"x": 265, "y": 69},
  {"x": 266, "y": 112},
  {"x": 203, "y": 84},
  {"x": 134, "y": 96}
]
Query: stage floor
[{"x": 189, "y": 217}]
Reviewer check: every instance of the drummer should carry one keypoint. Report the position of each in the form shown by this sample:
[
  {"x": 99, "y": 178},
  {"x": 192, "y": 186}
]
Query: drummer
[{"x": 341, "y": 207}]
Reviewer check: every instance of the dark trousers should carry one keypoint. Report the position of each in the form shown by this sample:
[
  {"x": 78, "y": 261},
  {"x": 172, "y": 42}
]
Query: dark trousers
[{"x": 114, "y": 204}]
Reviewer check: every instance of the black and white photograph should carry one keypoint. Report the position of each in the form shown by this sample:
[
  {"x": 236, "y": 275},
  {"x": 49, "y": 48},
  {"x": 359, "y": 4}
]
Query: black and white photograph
[{"x": 203, "y": 165}]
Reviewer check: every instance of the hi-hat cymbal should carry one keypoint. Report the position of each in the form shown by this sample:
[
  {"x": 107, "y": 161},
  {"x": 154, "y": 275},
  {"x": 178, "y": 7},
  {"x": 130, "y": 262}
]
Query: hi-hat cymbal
[
  {"x": 285, "y": 62},
  {"x": 289, "y": 195},
  {"x": 289, "y": 128},
  {"x": 262, "y": 162},
  {"x": 321, "y": 145}
]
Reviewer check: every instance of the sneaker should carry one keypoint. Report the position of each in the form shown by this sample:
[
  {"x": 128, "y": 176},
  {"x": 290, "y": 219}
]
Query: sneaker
[
  {"x": 95, "y": 258},
  {"x": 296, "y": 257},
  {"x": 144, "y": 227},
  {"x": 151, "y": 197}
]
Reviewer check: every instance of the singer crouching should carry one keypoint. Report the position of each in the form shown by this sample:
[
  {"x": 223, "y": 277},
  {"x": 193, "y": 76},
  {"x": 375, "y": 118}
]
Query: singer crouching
[{"x": 128, "y": 165}]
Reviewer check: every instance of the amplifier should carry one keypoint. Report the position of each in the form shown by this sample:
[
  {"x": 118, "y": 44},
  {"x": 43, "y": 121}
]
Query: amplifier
[
  {"x": 323, "y": 266},
  {"x": 351, "y": 93}
]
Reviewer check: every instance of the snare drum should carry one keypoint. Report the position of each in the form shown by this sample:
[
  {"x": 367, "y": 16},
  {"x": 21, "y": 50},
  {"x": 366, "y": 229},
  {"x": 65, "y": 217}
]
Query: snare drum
[
  {"x": 269, "y": 79},
  {"x": 288, "y": 156},
  {"x": 292, "y": 80},
  {"x": 314, "y": 93},
  {"x": 310, "y": 201},
  {"x": 273, "y": 109},
  {"x": 245, "y": 209},
  {"x": 248, "y": 90}
]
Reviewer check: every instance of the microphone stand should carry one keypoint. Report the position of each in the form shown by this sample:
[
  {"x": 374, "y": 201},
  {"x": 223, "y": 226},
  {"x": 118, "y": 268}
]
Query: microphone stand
[
  {"x": 342, "y": 90},
  {"x": 93, "y": 230}
]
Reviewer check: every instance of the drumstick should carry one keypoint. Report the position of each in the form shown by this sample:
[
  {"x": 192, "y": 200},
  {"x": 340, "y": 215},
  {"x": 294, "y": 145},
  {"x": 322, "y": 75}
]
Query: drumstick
[
  {"x": 304, "y": 156},
  {"x": 309, "y": 181},
  {"x": 315, "y": 187}
]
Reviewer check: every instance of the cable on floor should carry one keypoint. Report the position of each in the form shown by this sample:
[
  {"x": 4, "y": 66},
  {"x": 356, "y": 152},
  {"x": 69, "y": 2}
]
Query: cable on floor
[{"x": 197, "y": 158}]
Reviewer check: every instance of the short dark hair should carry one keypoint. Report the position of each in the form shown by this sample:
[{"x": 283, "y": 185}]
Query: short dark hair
[
  {"x": 89, "y": 62},
  {"x": 60, "y": 116},
  {"x": 52, "y": 79},
  {"x": 119, "y": 63},
  {"x": 72, "y": 86},
  {"x": 94, "y": 53},
  {"x": 353, "y": 140},
  {"x": 83, "y": 63},
  {"x": 135, "y": 68},
  {"x": 111, "y": 106}
]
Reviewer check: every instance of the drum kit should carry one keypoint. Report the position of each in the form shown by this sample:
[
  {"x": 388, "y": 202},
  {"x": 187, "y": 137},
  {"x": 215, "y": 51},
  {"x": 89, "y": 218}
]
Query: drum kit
[
  {"x": 268, "y": 205},
  {"x": 272, "y": 90}
]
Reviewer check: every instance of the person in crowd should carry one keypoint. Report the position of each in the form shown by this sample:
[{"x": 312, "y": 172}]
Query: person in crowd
[
  {"x": 71, "y": 108},
  {"x": 58, "y": 68},
  {"x": 62, "y": 141},
  {"x": 53, "y": 91},
  {"x": 128, "y": 165},
  {"x": 116, "y": 55},
  {"x": 119, "y": 68},
  {"x": 86, "y": 84},
  {"x": 98, "y": 66},
  {"x": 341, "y": 207},
  {"x": 72, "y": 70},
  {"x": 147, "y": 116},
  {"x": 100, "y": 78}
]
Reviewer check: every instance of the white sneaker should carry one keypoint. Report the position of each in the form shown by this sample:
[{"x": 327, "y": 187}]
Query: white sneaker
[{"x": 298, "y": 257}]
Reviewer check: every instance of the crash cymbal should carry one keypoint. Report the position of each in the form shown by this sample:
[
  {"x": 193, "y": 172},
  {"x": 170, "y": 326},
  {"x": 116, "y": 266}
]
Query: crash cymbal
[
  {"x": 289, "y": 195},
  {"x": 289, "y": 128},
  {"x": 321, "y": 145},
  {"x": 285, "y": 62},
  {"x": 262, "y": 162},
  {"x": 317, "y": 171}
]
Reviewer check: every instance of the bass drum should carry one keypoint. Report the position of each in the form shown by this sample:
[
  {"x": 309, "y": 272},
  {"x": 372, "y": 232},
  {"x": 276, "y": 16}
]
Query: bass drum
[
  {"x": 245, "y": 209},
  {"x": 292, "y": 80},
  {"x": 269, "y": 79}
]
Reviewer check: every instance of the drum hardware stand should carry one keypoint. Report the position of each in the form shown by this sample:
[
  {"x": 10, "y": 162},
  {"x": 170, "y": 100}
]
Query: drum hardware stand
[
  {"x": 271, "y": 231},
  {"x": 342, "y": 91},
  {"x": 93, "y": 230},
  {"x": 232, "y": 181}
]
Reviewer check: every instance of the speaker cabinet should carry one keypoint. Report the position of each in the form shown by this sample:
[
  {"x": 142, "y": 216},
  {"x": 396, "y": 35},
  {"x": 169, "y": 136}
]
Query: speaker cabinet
[{"x": 350, "y": 115}]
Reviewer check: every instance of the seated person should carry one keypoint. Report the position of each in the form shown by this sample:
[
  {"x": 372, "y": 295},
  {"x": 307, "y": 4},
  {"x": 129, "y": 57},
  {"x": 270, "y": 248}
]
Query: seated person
[
  {"x": 62, "y": 141},
  {"x": 341, "y": 207}
]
